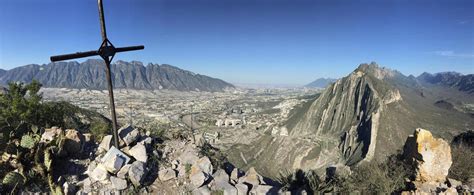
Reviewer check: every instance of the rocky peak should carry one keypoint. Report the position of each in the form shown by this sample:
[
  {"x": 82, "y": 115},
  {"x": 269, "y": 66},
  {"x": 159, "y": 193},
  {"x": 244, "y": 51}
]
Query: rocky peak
[{"x": 375, "y": 70}]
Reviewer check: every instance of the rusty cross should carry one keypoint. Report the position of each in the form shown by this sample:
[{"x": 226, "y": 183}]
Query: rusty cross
[{"x": 107, "y": 52}]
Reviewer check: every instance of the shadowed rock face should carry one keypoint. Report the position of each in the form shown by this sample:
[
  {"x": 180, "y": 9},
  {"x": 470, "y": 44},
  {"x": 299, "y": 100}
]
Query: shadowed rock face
[
  {"x": 349, "y": 111},
  {"x": 132, "y": 75}
]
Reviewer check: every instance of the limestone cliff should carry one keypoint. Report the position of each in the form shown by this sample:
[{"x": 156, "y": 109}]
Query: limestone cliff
[{"x": 365, "y": 115}]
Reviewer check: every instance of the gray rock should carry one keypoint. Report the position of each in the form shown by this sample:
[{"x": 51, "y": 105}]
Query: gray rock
[
  {"x": 122, "y": 173},
  {"x": 114, "y": 159},
  {"x": 128, "y": 134},
  {"x": 118, "y": 183},
  {"x": 204, "y": 190},
  {"x": 106, "y": 143},
  {"x": 205, "y": 165},
  {"x": 264, "y": 190},
  {"x": 252, "y": 177},
  {"x": 234, "y": 176},
  {"x": 198, "y": 178},
  {"x": 225, "y": 187},
  {"x": 99, "y": 173},
  {"x": 220, "y": 176},
  {"x": 139, "y": 152},
  {"x": 166, "y": 174},
  {"x": 242, "y": 189},
  {"x": 137, "y": 172}
]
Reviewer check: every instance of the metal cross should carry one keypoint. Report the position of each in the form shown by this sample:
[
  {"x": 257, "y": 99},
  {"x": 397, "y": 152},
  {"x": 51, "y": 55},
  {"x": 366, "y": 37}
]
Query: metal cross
[{"x": 107, "y": 52}]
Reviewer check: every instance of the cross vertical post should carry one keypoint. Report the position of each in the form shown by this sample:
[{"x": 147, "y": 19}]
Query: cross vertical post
[{"x": 106, "y": 52}]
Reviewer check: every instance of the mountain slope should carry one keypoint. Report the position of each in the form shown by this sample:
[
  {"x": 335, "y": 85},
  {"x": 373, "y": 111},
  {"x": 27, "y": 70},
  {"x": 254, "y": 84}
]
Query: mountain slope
[
  {"x": 450, "y": 79},
  {"x": 363, "y": 116},
  {"x": 133, "y": 75},
  {"x": 321, "y": 82}
]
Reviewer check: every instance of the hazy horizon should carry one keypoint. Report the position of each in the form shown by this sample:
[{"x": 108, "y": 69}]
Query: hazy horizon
[{"x": 276, "y": 42}]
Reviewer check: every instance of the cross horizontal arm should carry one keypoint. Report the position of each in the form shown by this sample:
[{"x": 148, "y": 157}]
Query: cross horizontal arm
[
  {"x": 131, "y": 48},
  {"x": 74, "y": 56}
]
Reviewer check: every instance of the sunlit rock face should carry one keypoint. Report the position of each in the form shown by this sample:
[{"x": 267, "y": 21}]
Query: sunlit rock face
[{"x": 432, "y": 156}]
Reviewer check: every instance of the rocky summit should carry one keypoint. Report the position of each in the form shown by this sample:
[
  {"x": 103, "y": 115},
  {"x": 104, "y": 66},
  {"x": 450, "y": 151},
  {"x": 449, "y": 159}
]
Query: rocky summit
[{"x": 364, "y": 116}]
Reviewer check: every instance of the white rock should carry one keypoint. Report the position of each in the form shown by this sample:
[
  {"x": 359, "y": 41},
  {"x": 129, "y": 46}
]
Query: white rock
[
  {"x": 166, "y": 174},
  {"x": 106, "y": 142},
  {"x": 205, "y": 165},
  {"x": 242, "y": 189},
  {"x": 198, "y": 178},
  {"x": 122, "y": 173},
  {"x": 114, "y": 159},
  {"x": 139, "y": 152},
  {"x": 99, "y": 173},
  {"x": 204, "y": 190},
  {"x": 128, "y": 134},
  {"x": 118, "y": 183}
]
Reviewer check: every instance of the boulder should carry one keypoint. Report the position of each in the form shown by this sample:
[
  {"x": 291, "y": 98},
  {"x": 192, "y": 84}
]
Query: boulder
[
  {"x": 235, "y": 175},
  {"x": 118, "y": 183},
  {"x": 204, "y": 190},
  {"x": 114, "y": 159},
  {"x": 128, "y": 134},
  {"x": 166, "y": 174},
  {"x": 122, "y": 173},
  {"x": 99, "y": 173},
  {"x": 242, "y": 189},
  {"x": 137, "y": 172},
  {"x": 73, "y": 141},
  {"x": 106, "y": 143},
  {"x": 197, "y": 177},
  {"x": 220, "y": 176},
  {"x": 264, "y": 190},
  {"x": 205, "y": 165},
  {"x": 432, "y": 156},
  {"x": 252, "y": 178},
  {"x": 139, "y": 152}
]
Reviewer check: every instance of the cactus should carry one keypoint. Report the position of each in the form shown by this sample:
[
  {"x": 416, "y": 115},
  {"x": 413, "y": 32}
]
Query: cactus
[
  {"x": 13, "y": 180},
  {"x": 29, "y": 141}
]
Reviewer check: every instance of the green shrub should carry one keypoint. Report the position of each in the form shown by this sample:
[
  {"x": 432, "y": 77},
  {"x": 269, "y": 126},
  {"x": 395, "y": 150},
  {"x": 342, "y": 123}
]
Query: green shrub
[
  {"x": 99, "y": 130},
  {"x": 375, "y": 177},
  {"x": 217, "y": 158},
  {"x": 462, "y": 168}
]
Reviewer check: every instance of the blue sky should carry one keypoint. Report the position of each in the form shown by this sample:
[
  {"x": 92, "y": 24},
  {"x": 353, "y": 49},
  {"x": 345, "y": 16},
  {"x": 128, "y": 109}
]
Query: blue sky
[{"x": 249, "y": 41}]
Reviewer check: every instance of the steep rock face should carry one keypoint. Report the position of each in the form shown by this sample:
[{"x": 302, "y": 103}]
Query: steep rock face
[
  {"x": 363, "y": 116},
  {"x": 349, "y": 110},
  {"x": 132, "y": 75}
]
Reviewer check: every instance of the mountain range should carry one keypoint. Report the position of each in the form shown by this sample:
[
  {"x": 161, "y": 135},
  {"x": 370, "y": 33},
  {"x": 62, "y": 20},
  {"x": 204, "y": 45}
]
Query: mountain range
[
  {"x": 91, "y": 74},
  {"x": 366, "y": 115},
  {"x": 321, "y": 83}
]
